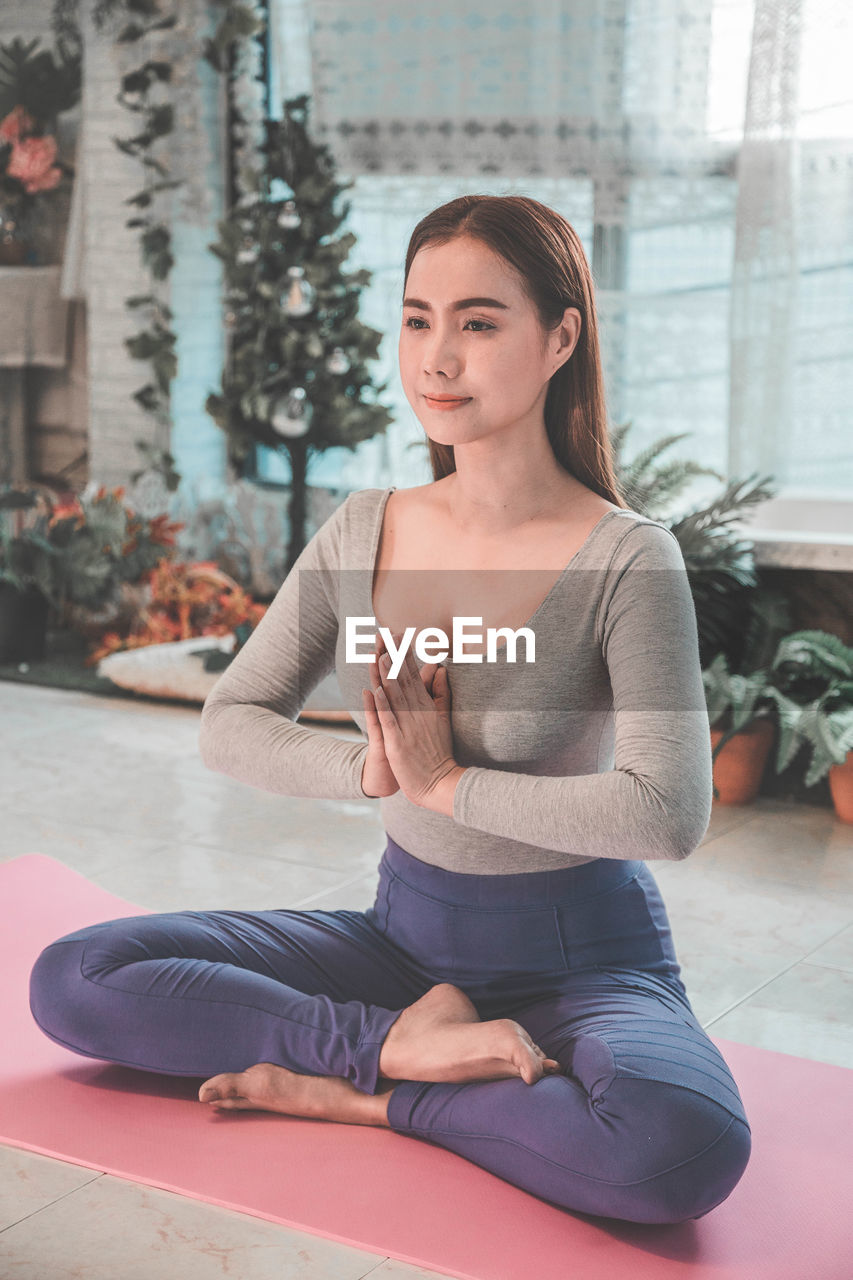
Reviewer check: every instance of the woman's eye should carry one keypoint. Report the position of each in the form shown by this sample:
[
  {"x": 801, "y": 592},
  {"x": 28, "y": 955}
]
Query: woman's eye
[{"x": 416, "y": 320}]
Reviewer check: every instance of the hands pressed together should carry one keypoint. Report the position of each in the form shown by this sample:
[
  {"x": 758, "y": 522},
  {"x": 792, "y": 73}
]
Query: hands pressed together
[{"x": 409, "y": 735}]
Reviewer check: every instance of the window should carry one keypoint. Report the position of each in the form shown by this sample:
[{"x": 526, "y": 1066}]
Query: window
[{"x": 668, "y": 294}]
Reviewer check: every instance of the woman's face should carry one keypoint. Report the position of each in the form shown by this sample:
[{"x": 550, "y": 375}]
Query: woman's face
[{"x": 490, "y": 355}]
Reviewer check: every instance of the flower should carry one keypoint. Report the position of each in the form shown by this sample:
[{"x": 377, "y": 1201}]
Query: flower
[
  {"x": 163, "y": 530},
  {"x": 67, "y": 510},
  {"x": 185, "y": 600},
  {"x": 16, "y": 124},
  {"x": 31, "y": 162}
]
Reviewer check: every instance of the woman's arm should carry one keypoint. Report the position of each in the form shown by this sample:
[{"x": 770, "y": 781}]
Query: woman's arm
[
  {"x": 248, "y": 728},
  {"x": 656, "y": 801}
]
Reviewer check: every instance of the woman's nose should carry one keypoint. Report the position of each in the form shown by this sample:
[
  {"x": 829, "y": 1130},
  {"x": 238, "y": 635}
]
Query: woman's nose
[{"x": 440, "y": 356}]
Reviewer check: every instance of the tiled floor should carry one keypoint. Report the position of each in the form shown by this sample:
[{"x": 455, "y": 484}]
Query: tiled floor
[{"x": 762, "y": 917}]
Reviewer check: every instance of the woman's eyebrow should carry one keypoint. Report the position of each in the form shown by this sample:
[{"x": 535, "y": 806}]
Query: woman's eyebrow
[{"x": 420, "y": 305}]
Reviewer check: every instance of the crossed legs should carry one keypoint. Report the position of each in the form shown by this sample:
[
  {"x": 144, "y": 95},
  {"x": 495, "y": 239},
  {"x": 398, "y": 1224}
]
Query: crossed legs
[
  {"x": 248, "y": 1000},
  {"x": 441, "y": 1037}
]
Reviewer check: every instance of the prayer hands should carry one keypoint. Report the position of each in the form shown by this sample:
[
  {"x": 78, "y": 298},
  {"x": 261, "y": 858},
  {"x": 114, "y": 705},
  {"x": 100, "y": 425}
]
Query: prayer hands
[{"x": 410, "y": 740}]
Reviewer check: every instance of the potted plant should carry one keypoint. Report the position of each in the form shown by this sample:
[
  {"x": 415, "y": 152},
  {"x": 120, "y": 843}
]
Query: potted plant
[
  {"x": 812, "y": 688},
  {"x": 739, "y": 709},
  {"x": 77, "y": 557},
  {"x": 740, "y": 703}
]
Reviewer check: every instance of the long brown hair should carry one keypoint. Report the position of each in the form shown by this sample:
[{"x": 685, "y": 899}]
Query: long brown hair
[{"x": 554, "y": 273}]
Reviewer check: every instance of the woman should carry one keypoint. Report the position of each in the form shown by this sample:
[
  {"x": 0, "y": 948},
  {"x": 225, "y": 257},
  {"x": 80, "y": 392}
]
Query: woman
[{"x": 513, "y": 994}]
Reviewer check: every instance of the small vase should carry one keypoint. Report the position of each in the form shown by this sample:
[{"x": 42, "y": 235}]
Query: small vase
[
  {"x": 739, "y": 767},
  {"x": 841, "y": 788},
  {"x": 23, "y": 624}
]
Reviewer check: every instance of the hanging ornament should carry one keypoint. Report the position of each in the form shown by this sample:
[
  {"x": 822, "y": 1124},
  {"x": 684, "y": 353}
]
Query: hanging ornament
[
  {"x": 299, "y": 298},
  {"x": 288, "y": 217},
  {"x": 338, "y": 361},
  {"x": 315, "y": 348},
  {"x": 292, "y": 416},
  {"x": 248, "y": 253},
  {"x": 230, "y": 318}
]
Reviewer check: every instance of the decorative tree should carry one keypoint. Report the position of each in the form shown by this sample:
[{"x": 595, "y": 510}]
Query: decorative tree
[{"x": 297, "y": 376}]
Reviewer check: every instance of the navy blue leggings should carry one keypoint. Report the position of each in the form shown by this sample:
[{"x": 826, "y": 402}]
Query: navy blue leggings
[{"x": 645, "y": 1123}]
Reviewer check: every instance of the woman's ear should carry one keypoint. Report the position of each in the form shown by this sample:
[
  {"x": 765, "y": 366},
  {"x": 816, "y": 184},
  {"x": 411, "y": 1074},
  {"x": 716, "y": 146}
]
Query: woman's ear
[{"x": 569, "y": 334}]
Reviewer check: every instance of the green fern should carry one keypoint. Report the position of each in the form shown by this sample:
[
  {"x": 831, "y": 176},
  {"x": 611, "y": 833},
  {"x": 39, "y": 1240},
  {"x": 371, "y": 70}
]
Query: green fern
[
  {"x": 733, "y": 616},
  {"x": 649, "y": 487},
  {"x": 814, "y": 655},
  {"x": 813, "y": 694},
  {"x": 733, "y": 700}
]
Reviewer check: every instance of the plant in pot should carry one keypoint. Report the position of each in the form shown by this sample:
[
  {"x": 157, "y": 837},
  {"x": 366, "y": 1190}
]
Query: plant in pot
[
  {"x": 107, "y": 551},
  {"x": 739, "y": 711},
  {"x": 80, "y": 557},
  {"x": 812, "y": 688},
  {"x": 740, "y": 702}
]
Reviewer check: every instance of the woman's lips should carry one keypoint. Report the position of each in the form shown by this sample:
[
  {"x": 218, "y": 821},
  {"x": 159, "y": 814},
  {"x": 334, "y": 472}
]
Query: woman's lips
[{"x": 447, "y": 404}]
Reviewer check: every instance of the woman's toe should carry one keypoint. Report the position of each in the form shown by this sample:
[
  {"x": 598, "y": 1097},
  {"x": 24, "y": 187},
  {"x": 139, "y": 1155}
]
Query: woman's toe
[{"x": 218, "y": 1088}]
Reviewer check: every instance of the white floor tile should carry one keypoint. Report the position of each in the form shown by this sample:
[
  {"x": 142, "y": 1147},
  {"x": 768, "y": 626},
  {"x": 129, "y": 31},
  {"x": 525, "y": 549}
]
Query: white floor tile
[
  {"x": 192, "y": 878},
  {"x": 806, "y": 1012},
  {"x": 29, "y": 1182},
  {"x": 111, "y": 1228},
  {"x": 837, "y": 953}
]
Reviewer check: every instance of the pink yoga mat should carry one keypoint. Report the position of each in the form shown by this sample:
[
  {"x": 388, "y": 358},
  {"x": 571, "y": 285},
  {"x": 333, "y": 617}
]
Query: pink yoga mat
[{"x": 788, "y": 1218}]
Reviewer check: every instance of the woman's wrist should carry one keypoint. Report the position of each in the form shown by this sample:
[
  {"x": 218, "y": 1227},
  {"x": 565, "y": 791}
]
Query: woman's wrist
[{"x": 440, "y": 799}]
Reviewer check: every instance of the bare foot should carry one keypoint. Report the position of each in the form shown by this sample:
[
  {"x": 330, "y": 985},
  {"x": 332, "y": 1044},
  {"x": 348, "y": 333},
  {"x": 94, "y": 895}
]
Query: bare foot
[
  {"x": 441, "y": 1038},
  {"x": 267, "y": 1087}
]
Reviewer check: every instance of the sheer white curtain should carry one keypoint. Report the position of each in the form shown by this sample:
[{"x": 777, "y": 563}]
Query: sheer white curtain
[
  {"x": 792, "y": 279},
  {"x": 707, "y": 172}
]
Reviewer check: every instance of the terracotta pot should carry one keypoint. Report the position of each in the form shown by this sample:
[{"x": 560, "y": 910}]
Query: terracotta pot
[
  {"x": 841, "y": 788},
  {"x": 739, "y": 767}
]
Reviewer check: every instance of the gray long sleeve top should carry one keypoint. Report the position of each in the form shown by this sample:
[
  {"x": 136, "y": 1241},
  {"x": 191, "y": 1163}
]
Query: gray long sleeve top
[{"x": 598, "y": 749}]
